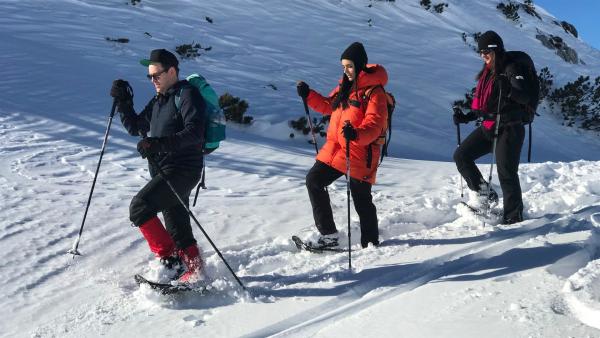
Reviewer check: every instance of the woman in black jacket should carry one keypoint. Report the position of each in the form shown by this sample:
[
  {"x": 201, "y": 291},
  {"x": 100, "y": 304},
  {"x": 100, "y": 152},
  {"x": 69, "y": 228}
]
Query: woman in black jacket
[{"x": 500, "y": 100}]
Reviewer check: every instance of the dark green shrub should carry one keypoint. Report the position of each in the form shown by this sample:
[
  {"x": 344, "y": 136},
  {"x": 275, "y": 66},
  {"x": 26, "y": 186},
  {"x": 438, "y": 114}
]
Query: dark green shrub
[
  {"x": 546, "y": 80},
  {"x": 579, "y": 103},
  {"x": 302, "y": 125},
  {"x": 190, "y": 51},
  {"x": 439, "y": 8},
  {"x": 119, "y": 40},
  {"x": 234, "y": 109},
  {"x": 510, "y": 10},
  {"x": 529, "y": 8}
]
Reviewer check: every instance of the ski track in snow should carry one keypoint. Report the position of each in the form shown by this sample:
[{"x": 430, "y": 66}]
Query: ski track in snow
[{"x": 401, "y": 280}]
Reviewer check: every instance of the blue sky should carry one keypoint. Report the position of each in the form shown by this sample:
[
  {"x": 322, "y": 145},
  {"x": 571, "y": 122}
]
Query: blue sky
[{"x": 583, "y": 14}]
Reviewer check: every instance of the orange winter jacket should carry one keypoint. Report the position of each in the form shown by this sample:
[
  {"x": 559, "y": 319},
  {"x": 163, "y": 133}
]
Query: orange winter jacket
[{"x": 370, "y": 121}]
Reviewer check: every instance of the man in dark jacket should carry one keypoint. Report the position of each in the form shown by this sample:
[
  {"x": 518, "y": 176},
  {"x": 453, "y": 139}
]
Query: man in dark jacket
[
  {"x": 175, "y": 144},
  {"x": 502, "y": 89}
]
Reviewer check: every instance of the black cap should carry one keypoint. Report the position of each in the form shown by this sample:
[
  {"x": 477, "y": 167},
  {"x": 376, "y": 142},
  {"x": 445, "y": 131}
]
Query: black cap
[
  {"x": 490, "y": 40},
  {"x": 162, "y": 56},
  {"x": 357, "y": 54}
]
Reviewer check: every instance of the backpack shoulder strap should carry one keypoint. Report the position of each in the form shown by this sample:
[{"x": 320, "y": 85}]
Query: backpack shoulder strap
[
  {"x": 178, "y": 95},
  {"x": 178, "y": 99},
  {"x": 370, "y": 90}
]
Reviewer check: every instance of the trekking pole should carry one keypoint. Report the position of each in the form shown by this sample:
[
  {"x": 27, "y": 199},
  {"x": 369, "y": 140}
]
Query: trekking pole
[
  {"x": 154, "y": 164},
  {"x": 462, "y": 195},
  {"x": 529, "y": 148},
  {"x": 312, "y": 129},
  {"x": 310, "y": 124},
  {"x": 201, "y": 184},
  {"x": 74, "y": 250},
  {"x": 348, "y": 198},
  {"x": 487, "y": 207}
]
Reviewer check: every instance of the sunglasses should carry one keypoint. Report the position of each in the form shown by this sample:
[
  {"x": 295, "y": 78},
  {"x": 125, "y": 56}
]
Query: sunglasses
[
  {"x": 485, "y": 51},
  {"x": 155, "y": 76}
]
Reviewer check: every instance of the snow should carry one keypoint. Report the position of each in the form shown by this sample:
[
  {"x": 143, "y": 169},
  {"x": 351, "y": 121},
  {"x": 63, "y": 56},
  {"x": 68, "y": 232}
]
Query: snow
[{"x": 440, "y": 272}]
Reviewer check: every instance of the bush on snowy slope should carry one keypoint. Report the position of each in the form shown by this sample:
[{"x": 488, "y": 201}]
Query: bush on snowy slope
[
  {"x": 510, "y": 10},
  {"x": 302, "y": 125},
  {"x": 191, "y": 50},
  {"x": 529, "y": 8},
  {"x": 117, "y": 40},
  {"x": 234, "y": 109},
  {"x": 438, "y": 8},
  {"x": 579, "y": 103},
  {"x": 546, "y": 81}
]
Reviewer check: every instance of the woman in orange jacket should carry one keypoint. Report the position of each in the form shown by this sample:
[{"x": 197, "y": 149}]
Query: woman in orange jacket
[{"x": 360, "y": 100}]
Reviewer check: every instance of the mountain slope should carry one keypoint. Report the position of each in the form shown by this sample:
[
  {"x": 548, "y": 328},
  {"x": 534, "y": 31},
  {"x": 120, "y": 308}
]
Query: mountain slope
[{"x": 257, "y": 44}]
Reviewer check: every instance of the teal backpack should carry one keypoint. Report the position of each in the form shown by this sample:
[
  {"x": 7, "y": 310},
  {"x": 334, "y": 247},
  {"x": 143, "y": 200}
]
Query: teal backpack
[{"x": 214, "y": 130}]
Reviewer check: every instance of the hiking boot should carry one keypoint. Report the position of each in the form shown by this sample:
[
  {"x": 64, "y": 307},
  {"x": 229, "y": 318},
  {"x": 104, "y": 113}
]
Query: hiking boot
[
  {"x": 172, "y": 267},
  {"x": 193, "y": 263},
  {"x": 492, "y": 197},
  {"x": 372, "y": 244},
  {"x": 512, "y": 220},
  {"x": 328, "y": 241}
]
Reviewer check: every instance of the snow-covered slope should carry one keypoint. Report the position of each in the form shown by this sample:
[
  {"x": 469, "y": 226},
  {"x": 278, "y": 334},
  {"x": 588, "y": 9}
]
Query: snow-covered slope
[
  {"x": 439, "y": 272},
  {"x": 257, "y": 43}
]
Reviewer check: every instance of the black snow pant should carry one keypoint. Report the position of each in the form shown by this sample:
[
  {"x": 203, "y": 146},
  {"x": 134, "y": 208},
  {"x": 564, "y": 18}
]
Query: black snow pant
[
  {"x": 508, "y": 154},
  {"x": 156, "y": 196},
  {"x": 320, "y": 176}
]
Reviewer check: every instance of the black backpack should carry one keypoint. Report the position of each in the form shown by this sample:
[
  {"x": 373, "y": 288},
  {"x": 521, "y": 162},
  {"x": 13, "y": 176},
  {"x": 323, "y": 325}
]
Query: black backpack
[{"x": 526, "y": 68}]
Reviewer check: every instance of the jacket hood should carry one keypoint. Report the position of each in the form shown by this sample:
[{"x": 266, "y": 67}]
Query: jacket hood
[{"x": 378, "y": 76}]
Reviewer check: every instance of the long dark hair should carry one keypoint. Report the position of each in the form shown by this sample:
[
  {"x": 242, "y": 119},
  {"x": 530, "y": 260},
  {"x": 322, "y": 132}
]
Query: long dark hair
[
  {"x": 346, "y": 88},
  {"x": 497, "y": 67}
]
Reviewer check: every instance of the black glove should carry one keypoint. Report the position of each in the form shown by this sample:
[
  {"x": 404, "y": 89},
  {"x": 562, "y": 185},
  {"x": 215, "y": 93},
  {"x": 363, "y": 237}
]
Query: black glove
[
  {"x": 152, "y": 145},
  {"x": 349, "y": 132},
  {"x": 143, "y": 126},
  {"x": 303, "y": 89},
  {"x": 460, "y": 117},
  {"x": 121, "y": 91}
]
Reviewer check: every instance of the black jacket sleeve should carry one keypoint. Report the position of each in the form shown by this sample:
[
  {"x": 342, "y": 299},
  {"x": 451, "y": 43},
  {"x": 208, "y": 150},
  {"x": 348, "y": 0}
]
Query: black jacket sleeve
[
  {"x": 193, "y": 114},
  {"x": 135, "y": 124}
]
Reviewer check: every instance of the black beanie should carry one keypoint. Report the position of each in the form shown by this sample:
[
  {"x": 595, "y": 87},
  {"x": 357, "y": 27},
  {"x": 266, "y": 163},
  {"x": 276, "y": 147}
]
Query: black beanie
[
  {"x": 357, "y": 54},
  {"x": 490, "y": 40}
]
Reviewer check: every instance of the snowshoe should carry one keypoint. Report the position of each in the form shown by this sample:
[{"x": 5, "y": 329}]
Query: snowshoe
[
  {"x": 168, "y": 289},
  {"x": 315, "y": 247}
]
